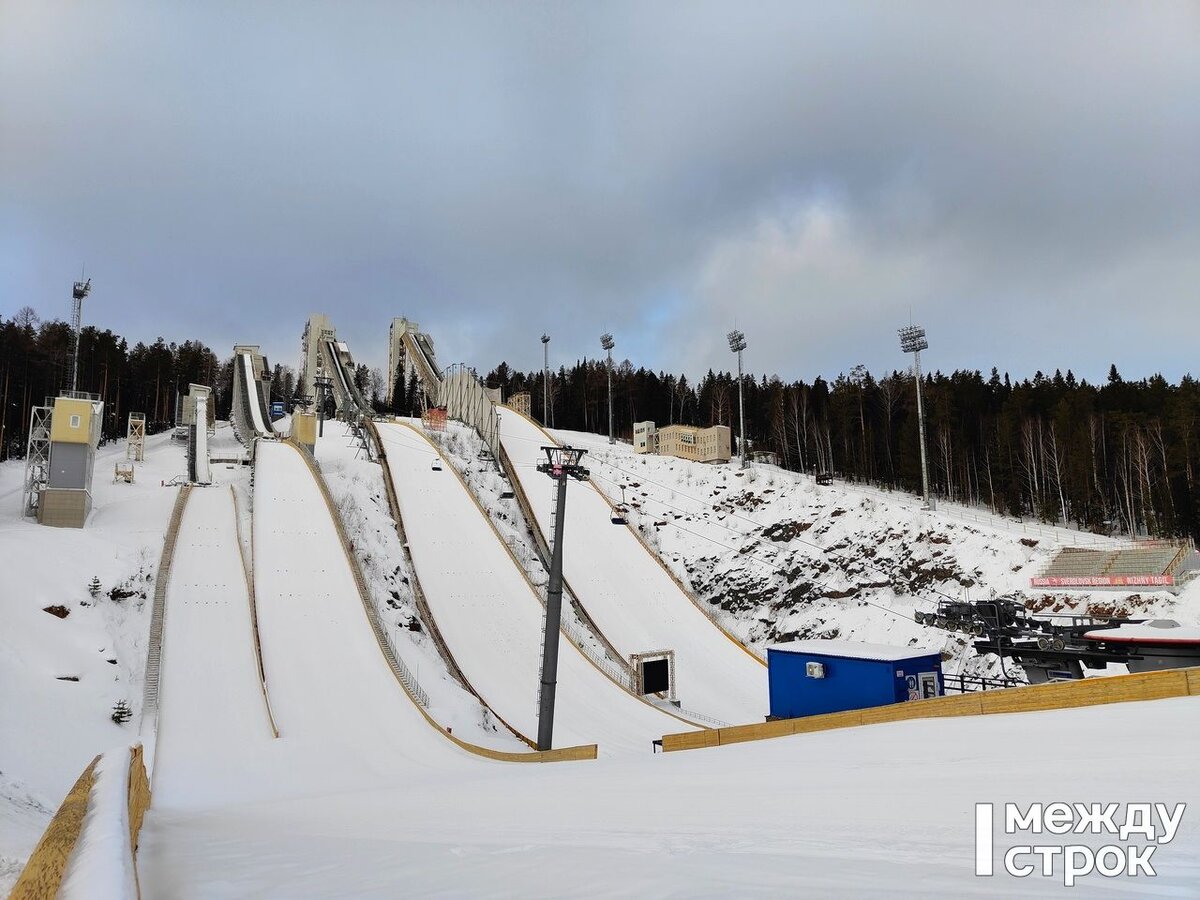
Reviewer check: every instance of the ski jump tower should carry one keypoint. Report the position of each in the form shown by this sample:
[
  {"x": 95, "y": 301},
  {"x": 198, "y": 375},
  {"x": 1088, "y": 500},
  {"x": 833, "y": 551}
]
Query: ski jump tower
[
  {"x": 410, "y": 353},
  {"x": 251, "y": 391}
]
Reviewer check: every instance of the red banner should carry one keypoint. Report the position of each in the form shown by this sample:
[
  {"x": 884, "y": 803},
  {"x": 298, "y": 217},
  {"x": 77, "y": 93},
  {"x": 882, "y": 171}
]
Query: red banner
[{"x": 1105, "y": 581}]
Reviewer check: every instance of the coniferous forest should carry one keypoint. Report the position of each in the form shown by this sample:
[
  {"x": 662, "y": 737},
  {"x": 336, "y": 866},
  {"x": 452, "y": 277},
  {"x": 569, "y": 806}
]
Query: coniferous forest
[{"x": 1120, "y": 457}]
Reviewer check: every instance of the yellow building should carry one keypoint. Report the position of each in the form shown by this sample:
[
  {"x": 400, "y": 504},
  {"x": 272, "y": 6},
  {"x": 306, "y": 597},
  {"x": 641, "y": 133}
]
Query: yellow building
[
  {"x": 706, "y": 445},
  {"x": 66, "y": 499}
]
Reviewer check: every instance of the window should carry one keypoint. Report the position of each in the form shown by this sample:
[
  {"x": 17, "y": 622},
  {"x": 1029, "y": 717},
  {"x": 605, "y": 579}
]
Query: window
[{"x": 74, "y": 421}]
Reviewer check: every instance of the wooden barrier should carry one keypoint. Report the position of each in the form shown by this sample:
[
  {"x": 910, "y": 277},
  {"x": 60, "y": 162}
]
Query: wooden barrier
[
  {"x": 44, "y": 871},
  {"x": 1060, "y": 695},
  {"x": 139, "y": 795}
]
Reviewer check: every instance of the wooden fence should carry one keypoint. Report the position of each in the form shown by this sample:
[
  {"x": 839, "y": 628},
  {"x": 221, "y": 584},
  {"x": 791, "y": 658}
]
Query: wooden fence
[{"x": 1060, "y": 695}]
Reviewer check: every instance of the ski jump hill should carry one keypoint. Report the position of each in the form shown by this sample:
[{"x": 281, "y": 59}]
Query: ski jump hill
[{"x": 291, "y": 746}]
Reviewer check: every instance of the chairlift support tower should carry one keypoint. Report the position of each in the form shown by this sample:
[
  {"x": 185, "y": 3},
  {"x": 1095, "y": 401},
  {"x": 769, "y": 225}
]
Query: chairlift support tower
[{"x": 562, "y": 463}]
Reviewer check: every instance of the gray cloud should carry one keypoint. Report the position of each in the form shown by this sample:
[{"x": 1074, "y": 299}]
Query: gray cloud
[{"x": 1022, "y": 177}]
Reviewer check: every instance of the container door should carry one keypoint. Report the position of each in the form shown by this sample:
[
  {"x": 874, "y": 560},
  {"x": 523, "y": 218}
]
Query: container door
[{"x": 929, "y": 684}]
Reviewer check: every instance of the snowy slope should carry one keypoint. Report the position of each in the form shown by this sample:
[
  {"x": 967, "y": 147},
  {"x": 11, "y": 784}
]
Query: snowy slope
[
  {"x": 881, "y": 811},
  {"x": 358, "y": 490},
  {"x": 781, "y": 557},
  {"x": 212, "y": 712},
  {"x": 335, "y": 699},
  {"x": 493, "y": 620},
  {"x": 50, "y": 728},
  {"x": 634, "y": 602}
]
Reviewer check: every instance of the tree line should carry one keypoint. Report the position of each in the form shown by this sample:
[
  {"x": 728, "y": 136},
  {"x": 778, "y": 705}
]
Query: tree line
[{"x": 1119, "y": 457}]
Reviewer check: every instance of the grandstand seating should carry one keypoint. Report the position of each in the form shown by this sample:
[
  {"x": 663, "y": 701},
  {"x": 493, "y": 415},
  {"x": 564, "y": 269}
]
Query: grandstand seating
[{"x": 1147, "y": 558}]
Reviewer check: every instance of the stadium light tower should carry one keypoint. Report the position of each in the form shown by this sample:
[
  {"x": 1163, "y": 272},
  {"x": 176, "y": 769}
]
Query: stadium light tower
[
  {"x": 546, "y": 380},
  {"x": 561, "y": 463},
  {"x": 912, "y": 340},
  {"x": 78, "y": 293},
  {"x": 737, "y": 343},
  {"x": 607, "y": 342}
]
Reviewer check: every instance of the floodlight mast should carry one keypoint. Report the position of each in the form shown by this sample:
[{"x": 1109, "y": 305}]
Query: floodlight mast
[
  {"x": 78, "y": 293},
  {"x": 737, "y": 343},
  {"x": 912, "y": 340},
  {"x": 546, "y": 380},
  {"x": 607, "y": 342},
  {"x": 561, "y": 463}
]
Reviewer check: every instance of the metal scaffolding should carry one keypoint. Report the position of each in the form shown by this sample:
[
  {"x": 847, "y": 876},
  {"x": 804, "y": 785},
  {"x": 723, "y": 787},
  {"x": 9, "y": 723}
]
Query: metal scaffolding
[
  {"x": 135, "y": 433},
  {"x": 37, "y": 458}
]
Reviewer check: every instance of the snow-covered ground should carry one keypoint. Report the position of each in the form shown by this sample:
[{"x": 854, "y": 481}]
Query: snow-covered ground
[
  {"x": 881, "y": 811},
  {"x": 60, "y": 677},
  {"x": 780, "y": 557},
  {"x": 360, "y": 796}
]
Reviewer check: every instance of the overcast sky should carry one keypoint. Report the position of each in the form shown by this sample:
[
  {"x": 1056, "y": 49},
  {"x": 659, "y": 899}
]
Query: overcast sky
[{"x": 1021, "y": 178}]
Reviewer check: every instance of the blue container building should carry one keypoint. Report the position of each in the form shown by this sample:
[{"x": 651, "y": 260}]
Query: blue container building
[{"x": 807, "y": 678}]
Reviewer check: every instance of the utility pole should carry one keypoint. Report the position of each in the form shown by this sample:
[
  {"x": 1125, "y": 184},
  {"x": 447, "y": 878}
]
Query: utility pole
[
  {"x": 607, "y": 342},
  {"x": 561, "y": 463},
  {"x": 737, "y": 343},
  {"x": 546, "y": 380},
  {"x": 78, "y": 293},
  {"x": 912, "y": 340}
]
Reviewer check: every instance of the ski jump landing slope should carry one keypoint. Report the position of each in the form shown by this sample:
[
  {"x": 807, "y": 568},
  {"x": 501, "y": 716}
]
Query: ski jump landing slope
[
  {"x": 247, "y": 384},
  {"x": 212, "y": 711},
  {"x": 629, "y": 595},
  {"x": 490, "y": 616}
]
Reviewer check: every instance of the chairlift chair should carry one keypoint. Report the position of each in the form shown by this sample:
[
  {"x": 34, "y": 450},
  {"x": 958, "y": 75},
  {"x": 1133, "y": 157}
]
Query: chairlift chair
[{"x": 619, "y": 511}]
